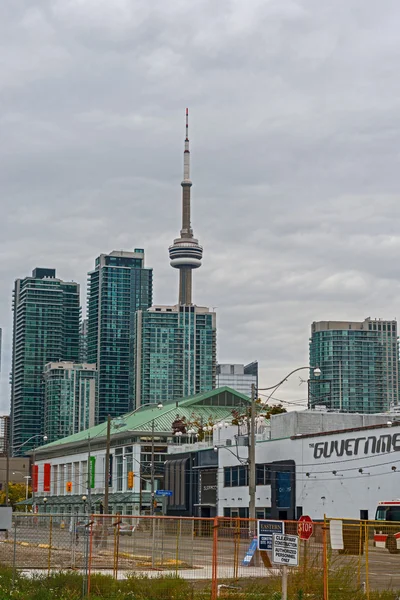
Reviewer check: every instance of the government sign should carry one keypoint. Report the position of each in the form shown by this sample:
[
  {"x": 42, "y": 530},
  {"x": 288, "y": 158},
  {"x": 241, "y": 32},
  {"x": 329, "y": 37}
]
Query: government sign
[
  {"x": 285, "y": 550},
  {"x": 357, "y": 446}
]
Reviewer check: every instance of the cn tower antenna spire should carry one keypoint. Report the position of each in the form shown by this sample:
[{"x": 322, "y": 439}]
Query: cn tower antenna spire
[
  {"x": 186, "y": 154},
  {"x": 186, "y": 253}
]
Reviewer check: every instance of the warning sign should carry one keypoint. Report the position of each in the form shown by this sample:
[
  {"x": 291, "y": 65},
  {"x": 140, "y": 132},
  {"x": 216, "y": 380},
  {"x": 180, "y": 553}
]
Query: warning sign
[{"x": 285, "y": 550}]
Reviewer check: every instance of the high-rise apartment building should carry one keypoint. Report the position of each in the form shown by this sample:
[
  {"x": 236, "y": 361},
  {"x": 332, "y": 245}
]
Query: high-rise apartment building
[
  {"x": 4, "y": 433},
  {"x": 83, "y": 341},
  {"x": 69, "y": 398},
  {"x": 359, "y": 364},
  {"x": 176, "y": 352},
  {"x": 46, "y": 328},
  {"x": 238, "y": 377},
  {"x": 118, "y": 287},
  {"x": 175, "y": 346}
]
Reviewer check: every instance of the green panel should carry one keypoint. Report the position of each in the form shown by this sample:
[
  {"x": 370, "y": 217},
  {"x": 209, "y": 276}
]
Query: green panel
[{"x": 92, "y": 471}]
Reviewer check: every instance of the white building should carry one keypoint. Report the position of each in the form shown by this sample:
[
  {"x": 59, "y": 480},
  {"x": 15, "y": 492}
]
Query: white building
[
  {"x": 238, "y": 377},
  {"x": 68, "y": 484},
  {"x": 311, "y": 463},
  {"x": 340, "y": 473}
]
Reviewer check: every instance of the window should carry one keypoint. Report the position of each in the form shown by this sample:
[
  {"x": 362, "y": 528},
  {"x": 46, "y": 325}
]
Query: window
[
  {"x": 236, "y": 476},
  {"x": 263, "y": 474},
  {"x": 234, "y": 513}
]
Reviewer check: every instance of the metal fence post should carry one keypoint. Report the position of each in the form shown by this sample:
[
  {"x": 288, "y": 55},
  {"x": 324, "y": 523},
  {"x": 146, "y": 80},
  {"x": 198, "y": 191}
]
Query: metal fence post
[
  {"x": 178, "y": 533},
  {"x": 50, "y": 543},
  {"x": 162, "y": 542},
  {"x": 72, "y": 535},
  {"x": 153, "y": 528},
  {"x": 366, "y": 560},
  {"x": 236, "y": 537},
  {"x": 90, "y": 555},
  {"x": 214, "y": 583},
  {"x": 14, "y": 554},
  {"x": 325, "y": 558}
]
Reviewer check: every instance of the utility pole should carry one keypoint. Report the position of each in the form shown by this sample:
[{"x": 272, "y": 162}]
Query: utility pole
[
  {"x": 152, "y": 468},
  {"x": 7, "y": 449},
  {"x": 107, "y": 465},
  {"x": 89, "y": 481},
  {"x": 34, "y": 479},
  {"x": 252, "y": 460}
]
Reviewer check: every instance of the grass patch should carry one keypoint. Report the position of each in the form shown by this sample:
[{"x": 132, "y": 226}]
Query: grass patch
[{"x": 302, "y": 585}]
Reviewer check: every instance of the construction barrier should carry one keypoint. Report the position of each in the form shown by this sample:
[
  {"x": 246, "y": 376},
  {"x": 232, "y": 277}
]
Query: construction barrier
[{"x": 225, "y": 557}]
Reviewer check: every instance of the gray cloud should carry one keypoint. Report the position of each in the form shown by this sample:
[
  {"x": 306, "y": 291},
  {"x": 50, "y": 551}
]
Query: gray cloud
[{"x": 295, "y": 133}]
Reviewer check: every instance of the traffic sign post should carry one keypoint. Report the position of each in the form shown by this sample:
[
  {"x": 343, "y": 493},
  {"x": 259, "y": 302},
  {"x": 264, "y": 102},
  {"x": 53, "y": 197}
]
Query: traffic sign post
[
  {"x": 265, "y": 531},
  {"x": 285, "y": 552},
  {"x": 305, "y": 527}
]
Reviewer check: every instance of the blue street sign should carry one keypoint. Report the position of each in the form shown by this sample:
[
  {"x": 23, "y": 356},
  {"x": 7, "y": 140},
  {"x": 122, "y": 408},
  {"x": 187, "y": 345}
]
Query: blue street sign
[
  {"x": 266, "y": 530},
  {"x": 163, "y": 493}
]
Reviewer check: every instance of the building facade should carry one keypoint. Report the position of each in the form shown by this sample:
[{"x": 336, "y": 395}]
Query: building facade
[
  {"x": 239, "y": 377},
  {"x": 69, "y": 398},
  {"x": 46, "y": 328},
  {"x": 175, "y": 352},
  {"x": 4, "y": 433},
  {"x": 359, "y": 364},
  {"x": 83, "y": 341},
  {"x": 118, "y": 287},
  {"x": 336, "y": 464},
  {"x": 134, "y": 438}
]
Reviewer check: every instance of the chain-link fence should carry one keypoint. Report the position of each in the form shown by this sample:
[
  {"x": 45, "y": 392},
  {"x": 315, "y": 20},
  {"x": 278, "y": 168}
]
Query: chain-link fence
[
  {"x": 46, "y": 542},
  {"x": 341, "y": 559},
  {"x": 365, "y": 554}
]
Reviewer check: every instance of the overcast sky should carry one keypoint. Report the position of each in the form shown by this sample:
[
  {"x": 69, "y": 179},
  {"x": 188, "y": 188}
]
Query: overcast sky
[{"x": 295, "y": 139}]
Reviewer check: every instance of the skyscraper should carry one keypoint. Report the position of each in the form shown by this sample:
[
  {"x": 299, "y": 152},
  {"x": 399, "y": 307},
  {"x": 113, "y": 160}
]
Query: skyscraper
[
  {"x": 119, "y": 286},
  {"x": 175, "y": 346},
  {"x": 69, "y": 398},
  {"x": 176, "y": 353},
  {"x": 359, "y": 364},
  {"x": 46, "y": 328}
]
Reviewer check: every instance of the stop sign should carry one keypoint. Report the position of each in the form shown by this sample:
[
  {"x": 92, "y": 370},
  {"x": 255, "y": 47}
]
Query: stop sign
[{"x": 305, "y": 527}]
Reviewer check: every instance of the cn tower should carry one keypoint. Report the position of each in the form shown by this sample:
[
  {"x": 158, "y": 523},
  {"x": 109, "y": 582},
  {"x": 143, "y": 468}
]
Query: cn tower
[{"x": 186, "y": 253}]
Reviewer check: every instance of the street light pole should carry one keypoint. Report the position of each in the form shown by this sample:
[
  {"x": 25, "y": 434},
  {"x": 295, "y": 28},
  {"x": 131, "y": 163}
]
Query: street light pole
[
  {"x": 7, "y": 448},
  {"x": 35, "y": 481},
  {"x": 89, "y": 481},
  {"x": 152, "y": 468},
  {"x": 252, "y": 460}
]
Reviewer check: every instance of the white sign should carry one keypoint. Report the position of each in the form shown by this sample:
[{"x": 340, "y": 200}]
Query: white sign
[
  {"x": 336, "y": 531},
  {"x": 5, "y": 518},
  {"x": 285, "y": 550}
]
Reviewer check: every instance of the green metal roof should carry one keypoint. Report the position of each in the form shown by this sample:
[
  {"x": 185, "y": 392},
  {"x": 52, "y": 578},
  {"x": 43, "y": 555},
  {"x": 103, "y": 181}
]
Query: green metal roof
[
  {"x": 216, "y": 404},
  {"x": 119, "y": 497}
]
